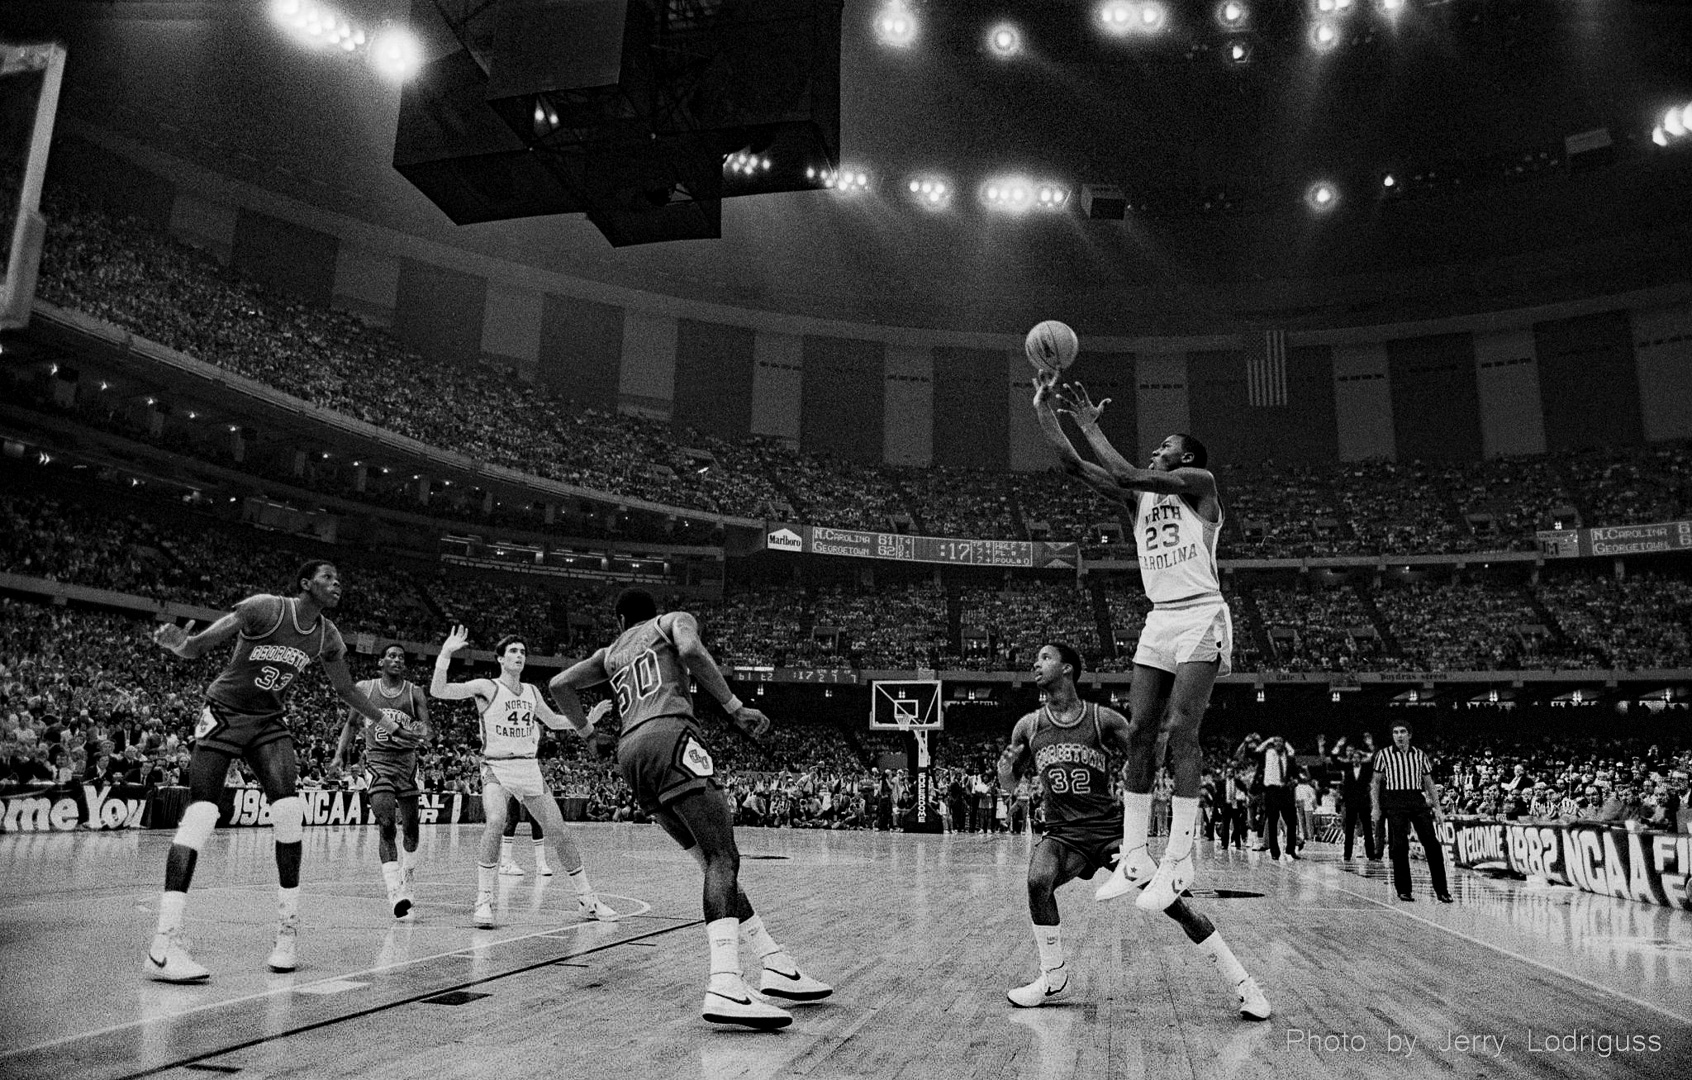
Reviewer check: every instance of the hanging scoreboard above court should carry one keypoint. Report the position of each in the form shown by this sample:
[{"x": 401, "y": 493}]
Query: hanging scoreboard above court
[{"x": 859, "y": 544}]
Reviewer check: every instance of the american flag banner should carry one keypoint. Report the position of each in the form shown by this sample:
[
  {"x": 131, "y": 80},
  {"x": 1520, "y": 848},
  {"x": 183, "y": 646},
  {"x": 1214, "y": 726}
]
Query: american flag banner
[{"x": 1266, "y": 369}]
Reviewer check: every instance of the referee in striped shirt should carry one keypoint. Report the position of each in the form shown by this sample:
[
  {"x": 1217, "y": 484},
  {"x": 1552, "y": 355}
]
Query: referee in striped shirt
[{"x": 1406, "y": 797}]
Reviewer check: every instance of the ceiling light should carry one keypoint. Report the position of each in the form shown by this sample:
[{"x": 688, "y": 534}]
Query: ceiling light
[{"x": 1321, "y": 196}]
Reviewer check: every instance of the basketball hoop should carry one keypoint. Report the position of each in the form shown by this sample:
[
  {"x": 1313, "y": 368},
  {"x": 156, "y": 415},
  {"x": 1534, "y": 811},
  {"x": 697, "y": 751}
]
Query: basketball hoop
[{"x": 907, "y": 723}]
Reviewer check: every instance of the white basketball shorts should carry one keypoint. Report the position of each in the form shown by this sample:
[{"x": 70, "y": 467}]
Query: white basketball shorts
[
  {"x": 518, "y": 776},
  {"x": 1196, "y": 633}
]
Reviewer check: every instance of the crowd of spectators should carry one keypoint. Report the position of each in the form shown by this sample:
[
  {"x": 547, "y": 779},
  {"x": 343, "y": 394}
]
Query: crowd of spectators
[
  {"x": 1318, "y": 629},
  {"x": 1640, "y": 622},
  {"x": 117, "y": 270}
]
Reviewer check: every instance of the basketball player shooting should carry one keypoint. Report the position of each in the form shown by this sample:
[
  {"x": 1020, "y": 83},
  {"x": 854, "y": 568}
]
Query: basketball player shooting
[
  {"x": 663, "y": 758},
  {"x": 1068, "y": 742},
  {"x": 1172, "y": 506}
]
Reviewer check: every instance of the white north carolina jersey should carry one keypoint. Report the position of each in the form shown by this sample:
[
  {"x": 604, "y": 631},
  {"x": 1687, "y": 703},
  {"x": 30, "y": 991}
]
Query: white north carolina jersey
[
  {"x": 1177, "y": 549},
  {"x": 510, "y": 728}
]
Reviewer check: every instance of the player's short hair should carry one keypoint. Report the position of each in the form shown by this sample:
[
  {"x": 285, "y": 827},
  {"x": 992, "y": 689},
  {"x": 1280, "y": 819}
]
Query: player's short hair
[
  {"x": 1190, "y": 445},
  {"x": 506, "y": 642},
  {"x": 386, "y": 645},
  {"x": 1068, "y": 655},
  {"x": 308, "y": 570},
  {"x": 635, "y": 606}
]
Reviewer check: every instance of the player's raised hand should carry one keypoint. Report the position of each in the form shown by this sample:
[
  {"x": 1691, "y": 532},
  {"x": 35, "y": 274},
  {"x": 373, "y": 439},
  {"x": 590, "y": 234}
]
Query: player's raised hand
[
  {"x": 1079, "y": 405},
  {"x": 173, "y": 637},
  {"x": 751, "y": 721},
  {"x": 1045, "y": 386},
  {"x": 456, "y": 640}
]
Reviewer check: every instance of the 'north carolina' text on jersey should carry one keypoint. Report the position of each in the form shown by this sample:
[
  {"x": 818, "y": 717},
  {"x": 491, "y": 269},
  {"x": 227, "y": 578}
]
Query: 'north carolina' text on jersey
[
  {"x": 510, "y": 728},
  {"x": 1072, "y": 767},
  {"x": 1177, "y": 549},
  {"x": 400, "y": 709},
  {"x": 647, "y": 675},
  {"x": 264, "y": 667}
]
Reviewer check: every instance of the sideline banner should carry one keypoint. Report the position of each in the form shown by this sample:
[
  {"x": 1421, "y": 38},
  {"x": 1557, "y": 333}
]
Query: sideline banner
[
  {"x": 67, "y": 807},
  {"x": 862, "y": 544},
  {"x": 1650, "y": 867},
  {"x": 241, "y": 807}
]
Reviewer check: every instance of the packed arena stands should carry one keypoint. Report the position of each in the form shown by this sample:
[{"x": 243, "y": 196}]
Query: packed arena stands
[{"x": 117, "y": 270}]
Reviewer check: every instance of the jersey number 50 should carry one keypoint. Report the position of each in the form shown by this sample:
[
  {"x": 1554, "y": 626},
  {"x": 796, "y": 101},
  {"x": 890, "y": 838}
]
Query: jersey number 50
[{"x": 637, "y": 682}]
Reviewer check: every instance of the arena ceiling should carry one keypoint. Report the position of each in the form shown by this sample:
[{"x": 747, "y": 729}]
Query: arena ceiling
[{"x": 1215, "y": 159}]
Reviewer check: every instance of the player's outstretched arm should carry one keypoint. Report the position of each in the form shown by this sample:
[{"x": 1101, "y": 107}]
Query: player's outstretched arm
[
  {"x": 249, "y": 614},
  {"x": 451, "y": 691},
  {"x": 684, "y": 631},
  {"x": 558, "y": 721},
  {"x": 341, "y": 681},
  {"x": 1045, "y": 412},
  {"x": 425, "y": 729},
  {"x": 344, "y": 744},
  {"x": 1079, "y": 406},
  {"x": 1015, "y": 756}
]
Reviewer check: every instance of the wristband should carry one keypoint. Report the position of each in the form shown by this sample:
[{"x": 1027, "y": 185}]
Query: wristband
[{"x": 733, "y": 705}]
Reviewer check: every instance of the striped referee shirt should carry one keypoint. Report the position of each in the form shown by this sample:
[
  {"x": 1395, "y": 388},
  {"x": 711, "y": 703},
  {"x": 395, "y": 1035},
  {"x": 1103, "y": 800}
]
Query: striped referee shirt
[{"x": 1402, "y": 769}]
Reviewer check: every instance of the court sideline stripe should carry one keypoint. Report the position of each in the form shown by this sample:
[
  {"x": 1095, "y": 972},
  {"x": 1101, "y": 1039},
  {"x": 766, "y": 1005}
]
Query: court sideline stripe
[
  {"x": 414, "y": 999},
  {"x": 1512, "y": 954}
]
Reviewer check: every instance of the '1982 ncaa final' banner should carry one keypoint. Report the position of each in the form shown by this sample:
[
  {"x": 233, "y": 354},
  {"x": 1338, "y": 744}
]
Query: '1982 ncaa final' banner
[
  {"x": 1650, "y": 867},
  {"x": 857, "y": 544}
]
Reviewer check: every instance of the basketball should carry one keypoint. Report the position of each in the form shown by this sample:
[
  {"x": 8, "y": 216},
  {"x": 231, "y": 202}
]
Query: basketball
[{"x": 1051, "y": 346}]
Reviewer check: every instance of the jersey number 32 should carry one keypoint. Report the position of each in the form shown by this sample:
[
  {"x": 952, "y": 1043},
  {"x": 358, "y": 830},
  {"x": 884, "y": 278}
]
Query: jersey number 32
[{"x": 637, "y": 682}]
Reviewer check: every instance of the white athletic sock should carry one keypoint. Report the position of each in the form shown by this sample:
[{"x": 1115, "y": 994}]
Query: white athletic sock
[
  {"x": 725, "y": 949},
  {"x": 1049, "y": 940},
  {"x": 1183, "y": 816},
  {"x": 1223, "y": 957},
  {"x": 392, "y": 875},
  {"x": 540, "y": 852},
  {"x": 1136, "y": 816},
  {"x": 486, "y": 878},
  {"x": 170, "y": 911},
  {"x": 764, "y": 946},
  {"x": 287, "y": 903},
  {"x": 504, "y": 850},
  {"x": 408, "y": 859},
  {"x": 578, "y": 877}
]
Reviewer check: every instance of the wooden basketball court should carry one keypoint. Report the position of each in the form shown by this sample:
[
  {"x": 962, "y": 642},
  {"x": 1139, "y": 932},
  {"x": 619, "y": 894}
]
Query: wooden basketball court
[{"x": 921, "y": 936}]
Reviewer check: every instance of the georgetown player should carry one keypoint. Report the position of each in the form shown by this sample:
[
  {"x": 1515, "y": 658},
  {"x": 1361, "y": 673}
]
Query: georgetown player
[
  {"x": 1068, "y": 741},
  {"x": 390, "y": 764},
  {"x": 276, "y": 639},
  {"x": 512, "y": 713},
  {"x": 1188, "y": 637},
  {"x": 666, "y": 764}
]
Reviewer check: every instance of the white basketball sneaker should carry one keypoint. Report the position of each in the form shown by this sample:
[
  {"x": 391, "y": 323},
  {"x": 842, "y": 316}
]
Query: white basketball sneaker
[
  {"x": 1133, "y": 870},
  {"x": 732, "y": 1003},
  {"x": 282, "y": 957},
  {"x": 509, "y": 868},
  {"x": 595, "y": 908},
  {"x": 483, "y": 917},
  {"x": 168, "y": 960},
  {"x": 1172, "y": 878},
  {"x": 795, "y": 987},
  {"x": 1040, "y": 991},
  {"x": 1253, "y": 1005}
]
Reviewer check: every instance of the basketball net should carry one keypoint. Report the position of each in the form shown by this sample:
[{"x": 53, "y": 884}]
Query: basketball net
[{"x": 908, "y": 726}]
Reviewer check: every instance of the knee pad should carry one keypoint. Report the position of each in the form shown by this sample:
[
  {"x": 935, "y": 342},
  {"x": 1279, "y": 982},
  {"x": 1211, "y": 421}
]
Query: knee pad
[
  {"x": 287, "y": 818},
  {"x": 197, "y": 824}
]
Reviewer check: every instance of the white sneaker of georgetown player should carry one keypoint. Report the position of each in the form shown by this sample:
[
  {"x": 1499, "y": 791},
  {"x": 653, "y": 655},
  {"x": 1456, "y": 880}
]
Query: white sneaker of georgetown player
[
  {"x": 727, "y": 1003},
  {"x": 795, "y": 987},
  {"x": 1133, "y": 870},
  {"x": 509, "y": 868},
  {"x": 1172, "y": 878},
  {"x": 1253, "y": 1005},
  {"x": 282, "y": 957},
  {"x": 168, "y": 960},
  {"x": 1040, "y": 991},
  {"x": 483, "y": 917}
]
